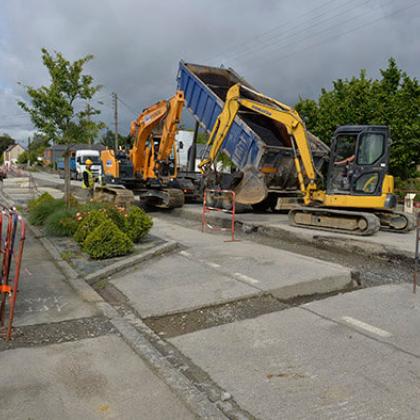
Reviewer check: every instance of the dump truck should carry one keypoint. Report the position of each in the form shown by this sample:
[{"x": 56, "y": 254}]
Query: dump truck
[{"x": 259, "y": 150}]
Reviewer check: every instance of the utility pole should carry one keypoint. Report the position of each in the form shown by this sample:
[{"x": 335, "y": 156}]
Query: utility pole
[
  {"x": 115, "y": 103},
  {"x": 88, "y": 115},
  {"x": 28, "y": 162}
]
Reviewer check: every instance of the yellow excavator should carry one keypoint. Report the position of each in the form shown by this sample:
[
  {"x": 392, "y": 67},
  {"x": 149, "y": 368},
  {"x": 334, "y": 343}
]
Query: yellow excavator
[
  {"x": 150, "y": 166},
  {"x": 357, "y": 194}
]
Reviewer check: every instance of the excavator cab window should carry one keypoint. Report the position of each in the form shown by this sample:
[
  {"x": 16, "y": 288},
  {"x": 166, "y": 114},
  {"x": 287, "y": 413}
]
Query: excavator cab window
[
  {"x": 343, "y": 157},
  {"x": 359, "y": 162}
]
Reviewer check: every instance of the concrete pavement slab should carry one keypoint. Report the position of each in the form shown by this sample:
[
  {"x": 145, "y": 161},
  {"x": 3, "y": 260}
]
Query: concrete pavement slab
[
  {"x": 44, "y": 296},
  {"x": 390, "y": 313},
  {"x": 297, "y": 365},
  {"x": 172, "y": 284},
  {"x": 281, "y": 273},
  {"x": 89, "y": 379}
]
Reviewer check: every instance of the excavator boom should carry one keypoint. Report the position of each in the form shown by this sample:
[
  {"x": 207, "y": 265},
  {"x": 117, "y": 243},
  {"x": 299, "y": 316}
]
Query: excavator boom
[{"x": 241, "y": 97}]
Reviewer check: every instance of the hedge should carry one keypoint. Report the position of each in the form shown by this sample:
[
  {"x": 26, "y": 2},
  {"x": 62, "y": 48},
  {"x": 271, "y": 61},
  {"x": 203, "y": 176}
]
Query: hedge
[
  {"x": 36, "y": 201},
  {"x": 61, "y": 223},
  {"x": 107, "y": 241},
  {"x": 88, "y": 224},
  {"x": 138, "y": 223},
  {"x": 40, "y": 212}
]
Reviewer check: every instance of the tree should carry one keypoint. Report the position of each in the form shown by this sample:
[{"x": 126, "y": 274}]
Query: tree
[
  {"x": 392, "y": 100},
  {"x": 5, "y": 142},
  {"x": 62, "y": 111},
  {"x": 36, "y": 147},
  {"x": 108, "y": 139}
]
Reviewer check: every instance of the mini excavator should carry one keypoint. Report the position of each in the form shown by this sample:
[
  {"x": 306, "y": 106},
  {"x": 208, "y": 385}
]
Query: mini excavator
[
  {"x": 356, "y": 196},
  {"x": 149, "y": 169}
]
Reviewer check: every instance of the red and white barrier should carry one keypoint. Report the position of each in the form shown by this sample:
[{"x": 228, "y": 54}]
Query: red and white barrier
[
  {"x": 12, "y": 229},
  {"x": 217, "y": 193}
]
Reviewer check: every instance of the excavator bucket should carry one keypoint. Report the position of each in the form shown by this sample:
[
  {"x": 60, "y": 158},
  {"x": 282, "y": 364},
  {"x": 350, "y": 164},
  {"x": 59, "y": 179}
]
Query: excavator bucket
[
  {"x": 117, "y": 194},
  {"x": 252, "y": 188},
  {"x": 169, "y": 198}
]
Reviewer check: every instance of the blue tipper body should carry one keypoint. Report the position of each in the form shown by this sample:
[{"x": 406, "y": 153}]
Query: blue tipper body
[{"x": 242, "y": 145}]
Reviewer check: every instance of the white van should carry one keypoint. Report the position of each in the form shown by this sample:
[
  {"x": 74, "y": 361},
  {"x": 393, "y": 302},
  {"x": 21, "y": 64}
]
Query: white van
[{"x": 81, "y": 156}]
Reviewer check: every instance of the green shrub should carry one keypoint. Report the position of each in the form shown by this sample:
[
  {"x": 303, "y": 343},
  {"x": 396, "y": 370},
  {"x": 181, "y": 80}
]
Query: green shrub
[
  {"x": 118, "y": 217},
  {"x": 39, "y": 214},
  {"x": 61, "y": 223},
  {"x": 35, "y": 201},
  {"x": 138, "y": 223},
  {"x": 108, "y": 209},
  {"x": 107, "y": 241},
  {"x": 88, "y": 224},
  {"x": 90, "y": 206}
]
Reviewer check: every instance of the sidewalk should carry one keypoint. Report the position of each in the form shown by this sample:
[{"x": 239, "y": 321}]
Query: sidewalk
[{"x": 67, "y": 361}]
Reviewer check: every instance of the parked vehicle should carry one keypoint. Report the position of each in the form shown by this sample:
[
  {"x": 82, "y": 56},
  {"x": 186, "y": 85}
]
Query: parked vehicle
[{"x": 77, "y": 163}]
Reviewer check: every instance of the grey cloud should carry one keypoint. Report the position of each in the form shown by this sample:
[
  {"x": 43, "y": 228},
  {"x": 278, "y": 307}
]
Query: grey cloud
[{"x": 137, "y": 44}]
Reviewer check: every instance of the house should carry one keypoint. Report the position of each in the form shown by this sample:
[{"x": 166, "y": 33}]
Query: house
[
  {"x": 11, "y": 154},
  {"x": 54, "y": 153}
]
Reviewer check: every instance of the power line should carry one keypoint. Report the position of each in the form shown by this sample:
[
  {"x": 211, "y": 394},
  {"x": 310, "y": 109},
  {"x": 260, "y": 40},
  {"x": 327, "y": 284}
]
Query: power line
[
  {"x": 127, "y": 106},
  {"x": 296, "y": 36},
  {"x": 361, "y": 26},
  {"x": 23, "y": 126},
  {"x": 14, "y": 115},
  {"x": 235, "y": 47}
]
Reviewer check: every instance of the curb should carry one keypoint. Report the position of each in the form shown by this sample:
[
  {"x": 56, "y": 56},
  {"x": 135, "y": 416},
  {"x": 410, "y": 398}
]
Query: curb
[
  {"x": 196, "y": 400},
  {"x": 130, "y": 261},
  {"x": 326, "y": 242}
]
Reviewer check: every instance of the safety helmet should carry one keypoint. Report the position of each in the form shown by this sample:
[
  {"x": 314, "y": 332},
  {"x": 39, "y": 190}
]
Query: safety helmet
[{"x": 88, "y": 162}]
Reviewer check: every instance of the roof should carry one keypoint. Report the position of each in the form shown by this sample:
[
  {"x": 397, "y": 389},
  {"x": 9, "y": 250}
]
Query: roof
[
  {"x": 12, "y": 146},
  {"x": 358, "y": 128},
  {"x": 80, "y": 146}
]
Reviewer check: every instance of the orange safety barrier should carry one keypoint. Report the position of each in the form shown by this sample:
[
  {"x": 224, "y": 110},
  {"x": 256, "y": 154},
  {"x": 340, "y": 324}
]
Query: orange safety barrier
[
  {"x": 417, "y": 254},
  {"x": 12, "y": 229},
  {"x": 206, "y": 209}
]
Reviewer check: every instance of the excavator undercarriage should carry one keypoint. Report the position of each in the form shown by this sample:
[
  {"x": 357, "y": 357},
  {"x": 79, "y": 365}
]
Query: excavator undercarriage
[
  {"x": 361, "y": 223},
  {"x": 167, "y": 198}
]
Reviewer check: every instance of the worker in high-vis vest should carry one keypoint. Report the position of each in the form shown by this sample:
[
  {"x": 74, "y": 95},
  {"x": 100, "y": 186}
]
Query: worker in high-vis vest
[{"x": 88, "y": 182}]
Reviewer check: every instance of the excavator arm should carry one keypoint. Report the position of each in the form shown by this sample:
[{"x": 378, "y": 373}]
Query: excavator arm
[
  {"x": 238, "y": 97},
  {"x": 140, "y": 130},
  {"x": 146, "y": 160},
  {"x": 172, "y": 119}
]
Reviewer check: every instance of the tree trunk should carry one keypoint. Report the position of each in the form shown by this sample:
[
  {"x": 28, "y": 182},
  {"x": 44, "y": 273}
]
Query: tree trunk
[{"x": 67, "y": 186}]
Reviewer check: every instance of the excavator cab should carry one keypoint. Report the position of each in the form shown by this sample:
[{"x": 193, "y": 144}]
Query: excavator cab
[{"x": 358, "y": 161}]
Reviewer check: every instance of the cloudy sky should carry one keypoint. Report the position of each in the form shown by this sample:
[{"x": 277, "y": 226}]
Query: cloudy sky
[{"x": 285, "y": 48}]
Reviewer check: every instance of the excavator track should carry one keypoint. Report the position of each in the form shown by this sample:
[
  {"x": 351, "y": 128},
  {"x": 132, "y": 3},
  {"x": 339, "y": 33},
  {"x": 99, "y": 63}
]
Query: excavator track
[
  {"x": 176, "y": 198},
  {"x": 339, "y": 221},
  {"x": 396, "y": 221},
  {"x": 168, "y": 198}
]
